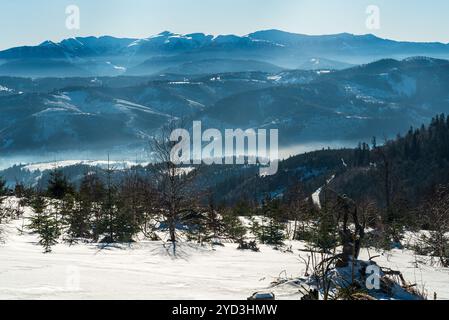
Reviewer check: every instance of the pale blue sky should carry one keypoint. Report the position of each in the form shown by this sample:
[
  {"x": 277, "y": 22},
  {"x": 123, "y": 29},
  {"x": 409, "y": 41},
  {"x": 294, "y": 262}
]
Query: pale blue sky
[{"x": 33, "y": 21}]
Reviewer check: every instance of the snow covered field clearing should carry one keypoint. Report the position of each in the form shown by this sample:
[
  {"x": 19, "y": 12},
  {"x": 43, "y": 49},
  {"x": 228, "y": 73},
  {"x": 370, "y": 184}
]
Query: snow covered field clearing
[{"x": 146, "y": 270}]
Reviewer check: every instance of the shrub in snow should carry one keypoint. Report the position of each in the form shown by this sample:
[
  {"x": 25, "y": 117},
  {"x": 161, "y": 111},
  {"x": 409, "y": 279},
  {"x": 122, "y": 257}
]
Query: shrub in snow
[{"x": 252, "y": 245}]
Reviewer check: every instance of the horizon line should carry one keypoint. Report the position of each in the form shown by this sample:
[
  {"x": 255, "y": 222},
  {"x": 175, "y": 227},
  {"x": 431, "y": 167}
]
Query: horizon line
[{"x": 222, "y": 34}]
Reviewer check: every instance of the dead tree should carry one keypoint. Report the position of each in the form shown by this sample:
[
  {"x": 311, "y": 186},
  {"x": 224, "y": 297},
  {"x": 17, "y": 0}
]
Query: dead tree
[
  {"x": 350, "y": 222},
  {"x": 350, "y": 239},
  {"x": 297, "y": 208}
]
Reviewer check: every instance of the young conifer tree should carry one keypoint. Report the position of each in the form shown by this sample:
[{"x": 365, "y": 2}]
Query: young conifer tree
[
  {"x": 44, "y": 224},
  {"x": 271, "y": 230}
]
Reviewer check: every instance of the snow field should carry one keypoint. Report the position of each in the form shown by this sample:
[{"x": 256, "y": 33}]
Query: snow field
[{"x": 148, "y": 270}]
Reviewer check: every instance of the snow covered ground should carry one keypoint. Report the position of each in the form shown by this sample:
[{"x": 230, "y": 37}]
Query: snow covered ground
[
  {"x": 147, "y": 270},
  {"x": 316, "y": 195},
  {"x": 144, "y": 270}
]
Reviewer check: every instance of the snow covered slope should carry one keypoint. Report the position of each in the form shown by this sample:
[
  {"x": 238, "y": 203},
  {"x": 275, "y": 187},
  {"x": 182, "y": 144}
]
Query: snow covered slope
[{"x": 146, "y": 270}]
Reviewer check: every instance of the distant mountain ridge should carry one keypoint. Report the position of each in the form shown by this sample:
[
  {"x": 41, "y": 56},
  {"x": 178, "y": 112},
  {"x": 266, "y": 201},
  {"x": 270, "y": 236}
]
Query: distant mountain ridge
[
  {"x": 104, "y": 93},
  {"x": 99, "y": 114},
  {"x": 109, "y": 56}
]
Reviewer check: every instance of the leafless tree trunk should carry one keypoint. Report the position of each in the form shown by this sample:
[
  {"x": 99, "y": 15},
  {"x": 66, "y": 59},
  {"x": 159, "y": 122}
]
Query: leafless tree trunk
[
  {"x": 174, "y": 197},
  {"x": 351, "y": 240},
  {"x": 437, "y": 216}
]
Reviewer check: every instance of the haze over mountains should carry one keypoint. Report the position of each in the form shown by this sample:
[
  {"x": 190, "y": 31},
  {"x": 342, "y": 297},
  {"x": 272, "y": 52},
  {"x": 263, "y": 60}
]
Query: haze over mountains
[
  {"x": 168, "y": 52},
  {"x": 110, "y": 95}
]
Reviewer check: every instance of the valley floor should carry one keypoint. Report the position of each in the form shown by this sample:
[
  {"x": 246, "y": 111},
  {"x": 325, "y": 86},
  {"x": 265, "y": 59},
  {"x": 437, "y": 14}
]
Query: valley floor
[{"x": 147, "y": 270}]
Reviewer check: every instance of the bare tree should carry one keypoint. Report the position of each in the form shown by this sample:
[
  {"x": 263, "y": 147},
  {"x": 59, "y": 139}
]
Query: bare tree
[
  {"x": 350, "y": 222},
  {"x": 137, "y": 200},
  {"x": 351, "y": 239},
  {"x": 297, "y": 209},
  {"x": 174, "y": 196},
  {"x": 436, "y": 243},
  {"x": 2, "y": 199},
  {"x": 3, "y": 193}
]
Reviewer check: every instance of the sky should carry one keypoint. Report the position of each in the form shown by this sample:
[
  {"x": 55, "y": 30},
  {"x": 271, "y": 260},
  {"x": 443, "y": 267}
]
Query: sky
[{"x": 30, "y": 22}]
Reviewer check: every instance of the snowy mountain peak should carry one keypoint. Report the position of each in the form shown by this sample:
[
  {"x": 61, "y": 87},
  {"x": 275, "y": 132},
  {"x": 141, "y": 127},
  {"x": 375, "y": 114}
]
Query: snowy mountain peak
[
  {"x": 161, "y": 52},
  {"x": 48, "y": 43},
  {"x": 166, "y": 33}
]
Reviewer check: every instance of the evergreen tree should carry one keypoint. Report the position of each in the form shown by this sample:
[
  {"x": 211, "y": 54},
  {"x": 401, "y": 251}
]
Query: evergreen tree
[
  {"x": 107, "y": 222},
  {"x": 58, "y": 186},
  {"x": 44, "y": 224},
  {"x": 214, "y": 225},
  {"x": 233, "y": 227},
  {"x": 133, "y": 202},
  {"x": 325, "y": 234},
  {"x": 91, "y": 194},
  {"x": 211, "y": 226},
  {"x": 113, "y": 224},
  {"x": 271, "y": 230},
  {"x": 19, "y": 190},
  {"x": 48, "y": 230},
  {"x": 38, "y": 204},
  {"x": 196, "y": 223},
  {"x": 273, "y": 233},
  {"x": 123, "y": 223},
  {"x": 242, "y": 208},
  {"x": 77, "y": 214}
]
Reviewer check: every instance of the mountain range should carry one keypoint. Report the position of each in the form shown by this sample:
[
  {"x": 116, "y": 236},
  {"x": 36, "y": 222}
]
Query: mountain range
[
  {"x": 62, "y": 97},
  {"x": 167, "y": 52},
  {"x": 380, "y": 99}
]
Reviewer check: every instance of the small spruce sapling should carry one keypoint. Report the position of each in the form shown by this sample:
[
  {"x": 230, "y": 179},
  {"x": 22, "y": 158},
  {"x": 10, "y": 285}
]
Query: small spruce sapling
[{"x": 44, "y": 224}]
